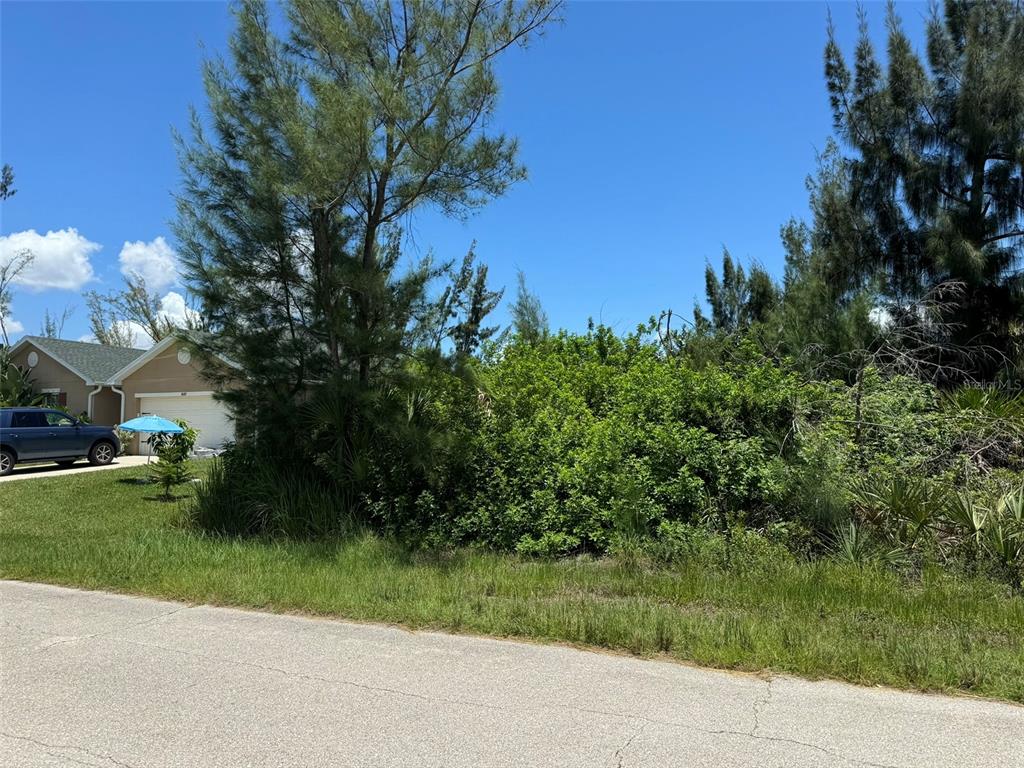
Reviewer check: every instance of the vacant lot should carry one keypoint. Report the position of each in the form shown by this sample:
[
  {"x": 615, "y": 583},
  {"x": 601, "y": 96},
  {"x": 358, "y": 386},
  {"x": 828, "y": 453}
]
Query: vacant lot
[{"x": 106, "y": 531}]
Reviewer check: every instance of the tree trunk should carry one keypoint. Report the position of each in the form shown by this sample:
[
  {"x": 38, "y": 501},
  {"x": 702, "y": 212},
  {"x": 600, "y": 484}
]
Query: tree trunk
[{"x": 322, "y": 265}]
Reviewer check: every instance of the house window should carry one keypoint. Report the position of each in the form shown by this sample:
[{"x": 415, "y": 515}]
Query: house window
[{"x": 54, "y": 398}]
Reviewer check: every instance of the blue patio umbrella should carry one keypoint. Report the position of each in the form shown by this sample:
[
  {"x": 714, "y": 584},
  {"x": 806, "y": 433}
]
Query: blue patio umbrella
[{"x": 154, "y": 424}]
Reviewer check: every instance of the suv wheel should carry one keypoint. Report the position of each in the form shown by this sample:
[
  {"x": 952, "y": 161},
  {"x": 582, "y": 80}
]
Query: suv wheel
[
  {"x": 6, "y": 461},
  {"x": 101, "y": 453}
]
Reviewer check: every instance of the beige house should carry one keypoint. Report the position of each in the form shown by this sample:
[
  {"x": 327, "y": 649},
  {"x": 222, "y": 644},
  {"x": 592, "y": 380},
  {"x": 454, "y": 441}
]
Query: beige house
[{"x": 112, "y": 384}]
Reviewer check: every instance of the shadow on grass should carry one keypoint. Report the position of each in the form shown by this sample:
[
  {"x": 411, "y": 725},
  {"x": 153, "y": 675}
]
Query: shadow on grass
[{"x": 326, "y": 548}]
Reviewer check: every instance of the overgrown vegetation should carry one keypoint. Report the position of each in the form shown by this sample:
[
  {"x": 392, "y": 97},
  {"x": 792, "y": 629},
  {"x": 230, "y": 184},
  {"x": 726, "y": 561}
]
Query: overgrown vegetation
[
  {"x": 598, "y": 444},
  {"x": 739, "y": 602},
  {"x": 868, "y": 409},
  {"x": 823, "y": 475}
]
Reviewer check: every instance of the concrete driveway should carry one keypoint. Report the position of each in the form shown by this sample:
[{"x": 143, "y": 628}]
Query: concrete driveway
[
  {"x": 94, "y": 679},
  {"x": 28, "y": 471}
]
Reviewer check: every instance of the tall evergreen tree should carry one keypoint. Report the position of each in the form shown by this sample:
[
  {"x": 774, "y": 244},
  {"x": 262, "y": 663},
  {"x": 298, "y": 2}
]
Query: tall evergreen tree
[
  {"x": 737, "y": 300},
  {"x": 824, "y": 313},
  {"x": 52, "y": 326},
  {"x": 529, "y": 320},
  {"x": 105, "y": 323},
  {"x": 937, "y": 173},
  {"x": 319, "y": 145},
  {"x": 470, "y": 301}
]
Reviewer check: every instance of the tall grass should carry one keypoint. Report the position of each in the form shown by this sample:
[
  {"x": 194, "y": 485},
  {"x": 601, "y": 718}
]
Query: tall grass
[
  {"x": 743, "y": 605},
  {"x": 268, "y": 497}
]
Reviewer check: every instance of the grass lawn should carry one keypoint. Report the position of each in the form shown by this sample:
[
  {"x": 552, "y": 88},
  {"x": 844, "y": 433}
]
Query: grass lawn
[{"x": 102, "y": 531}]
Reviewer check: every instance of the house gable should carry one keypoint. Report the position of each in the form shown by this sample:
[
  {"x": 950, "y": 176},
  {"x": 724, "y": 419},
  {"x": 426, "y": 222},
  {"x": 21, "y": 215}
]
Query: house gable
[
  {"x": 92, "y": 363},
  {"x": 168, "y": 367},
  {"x": 50, "y": 375},
  {"x": 168, "y": 380},
  {"x": 47, "y": 366}
]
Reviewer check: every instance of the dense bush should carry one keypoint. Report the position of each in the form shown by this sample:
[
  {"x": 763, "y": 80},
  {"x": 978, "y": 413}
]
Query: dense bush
[
  {"x": 581, "y": 437},
  {"x": 597, "y": 443}
]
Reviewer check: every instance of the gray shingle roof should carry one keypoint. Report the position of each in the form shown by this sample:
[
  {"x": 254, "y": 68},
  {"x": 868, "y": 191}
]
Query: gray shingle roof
[{"x": 97, "y": 362}]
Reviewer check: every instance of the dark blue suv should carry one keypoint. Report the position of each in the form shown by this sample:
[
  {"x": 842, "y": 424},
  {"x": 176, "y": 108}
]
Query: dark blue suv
[{"x": 41, "y": 434}]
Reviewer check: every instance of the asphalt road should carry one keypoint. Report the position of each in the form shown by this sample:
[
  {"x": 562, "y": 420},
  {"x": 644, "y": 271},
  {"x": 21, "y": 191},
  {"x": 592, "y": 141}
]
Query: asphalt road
[{"x": 89, "y": 678}]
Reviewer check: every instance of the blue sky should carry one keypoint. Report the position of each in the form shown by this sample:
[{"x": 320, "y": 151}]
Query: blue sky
[{"x": 654, "y": 134}]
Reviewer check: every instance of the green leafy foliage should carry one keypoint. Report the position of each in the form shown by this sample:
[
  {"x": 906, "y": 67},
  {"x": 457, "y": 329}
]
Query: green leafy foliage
[
  {"x": 16, "y": 388},
  {"x": 596, "y": 443},
  {"x": 173, "y": 451},
  {"x": 581, "y": 438}
]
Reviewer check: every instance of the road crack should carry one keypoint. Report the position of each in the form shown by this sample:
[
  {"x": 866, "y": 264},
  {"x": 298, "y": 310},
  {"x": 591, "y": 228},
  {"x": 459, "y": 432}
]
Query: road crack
[
  {"x": 620, "y": 752},
  {"x": 46, "y": 746},
  {"x": 760, "y": 705},
  {"x": 67, "y": 640}
]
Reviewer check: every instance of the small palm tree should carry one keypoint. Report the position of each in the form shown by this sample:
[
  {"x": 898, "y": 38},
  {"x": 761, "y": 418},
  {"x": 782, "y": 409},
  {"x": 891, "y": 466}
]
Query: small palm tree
[
  {"x": 905, "y": 503},
  {"x": 966, "y": 513},
  {"x": 853, "y": 543}
]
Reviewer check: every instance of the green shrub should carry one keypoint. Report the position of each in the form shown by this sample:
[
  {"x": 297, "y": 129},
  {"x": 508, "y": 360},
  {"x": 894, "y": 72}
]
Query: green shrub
[
  {"x": 592, "y": 443},
  {"x": 248, "y": 492},
  {"x": 173, "y": 451},
  {"x": 579, "y": 431},
  {"x": 736, "y": 548}
]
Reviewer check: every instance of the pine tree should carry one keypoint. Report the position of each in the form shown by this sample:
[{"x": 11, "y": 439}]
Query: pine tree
[
  {"x": 52, "y": 326},
  {"x": 105, "y": 323},
  {"x": 529, "y": 320},
  {"x": 470, "y": 301},
  {"x": 937, "y": 173},
  {"x": 737, "y": 300},
  {"x": 318, "y": 146}
]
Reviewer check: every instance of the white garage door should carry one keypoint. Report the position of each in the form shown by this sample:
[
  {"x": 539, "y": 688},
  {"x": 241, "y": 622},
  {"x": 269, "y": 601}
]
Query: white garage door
[{"x": 204, "y": 414}]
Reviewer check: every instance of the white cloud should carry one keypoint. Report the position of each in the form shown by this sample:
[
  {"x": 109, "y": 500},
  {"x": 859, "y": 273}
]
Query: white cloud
[
  {"x": 137, "y": 335},
  {"x": 155, "y": 262},
  {"x": 174, "y": 308},
  {"x": 60, "y": 259},
  {"x": 140, "y": 339},
  {"x": 13, "y": 326}
]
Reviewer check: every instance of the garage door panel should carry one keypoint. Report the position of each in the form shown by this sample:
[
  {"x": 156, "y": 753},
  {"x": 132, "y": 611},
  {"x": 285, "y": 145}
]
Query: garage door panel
[{"x": 204, "y": 414}]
